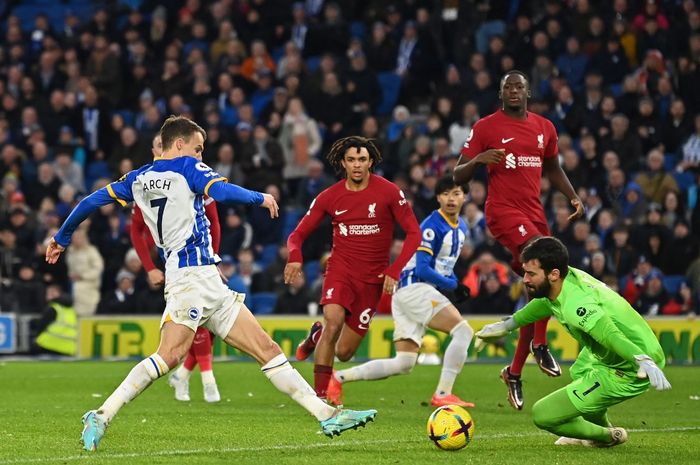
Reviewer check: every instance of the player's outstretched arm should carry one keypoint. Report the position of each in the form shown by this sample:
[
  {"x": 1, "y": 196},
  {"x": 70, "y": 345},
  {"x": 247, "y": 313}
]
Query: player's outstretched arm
[
  {"x": 494, "y": 331},
  {"x": 53, "y": 251},
  {"x": 649, "y": 369},
  {"x": 81, "y": 211},
  {"x": 607, "y": 334},
  {"x": 270, "y": 203}
]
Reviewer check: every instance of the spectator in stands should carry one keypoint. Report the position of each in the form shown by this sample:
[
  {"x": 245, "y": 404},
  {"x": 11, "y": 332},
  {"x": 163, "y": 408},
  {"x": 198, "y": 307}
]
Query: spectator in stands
[
  {"x": 621, "y": 256},
  {"x": 29, "y": 291},
  {"x": 623, "y": 142},
  {"x": 654, "y": 181},
  {"x": 57, "y": 329},
  {"x": 313, "y": 184},
  {"x": 677, "y": 127},
  {"x": 485, "y": 264},
  {"x": 691, "y": 149},
  {"x": 262, "y": 159},
  {"x": 268, "y": 231},
  {"x": 300, "y": 140},
  {"x": 294, "y": 299},
  {"x": 85, "y": 265},
  {"x": 656, "y": 300},
  {"x": 682, "y": 249},
  {"x": 493, "y": 297},
  {"x": 122, "y": 300},
  {"x": 637, "y": 281}
]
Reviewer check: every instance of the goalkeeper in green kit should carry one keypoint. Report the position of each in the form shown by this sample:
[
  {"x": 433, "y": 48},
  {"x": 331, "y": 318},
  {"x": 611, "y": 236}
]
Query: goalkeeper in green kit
[{"x": 620, "y": 355}]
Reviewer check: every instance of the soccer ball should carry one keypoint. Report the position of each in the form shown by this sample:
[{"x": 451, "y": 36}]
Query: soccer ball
[
  {"x": 450, "y": 427},
  {"x": 431, "y": 344},
  {"x": 429, "y": 351}
]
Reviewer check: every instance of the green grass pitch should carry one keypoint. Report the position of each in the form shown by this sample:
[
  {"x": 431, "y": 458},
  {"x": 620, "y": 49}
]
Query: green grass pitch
[{"x": 42, "y": 403}]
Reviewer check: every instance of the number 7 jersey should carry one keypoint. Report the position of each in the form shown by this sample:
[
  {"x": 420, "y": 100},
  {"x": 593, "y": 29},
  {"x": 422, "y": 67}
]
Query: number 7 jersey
[{"x": 170, "y": 192}]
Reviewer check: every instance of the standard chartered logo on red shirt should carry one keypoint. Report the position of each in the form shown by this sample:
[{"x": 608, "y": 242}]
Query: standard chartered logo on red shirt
[
  {"x": 358, "y": 229},
  {"x": 523, "y": 161}
]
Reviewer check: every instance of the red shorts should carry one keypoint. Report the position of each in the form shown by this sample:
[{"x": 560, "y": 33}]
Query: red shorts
[
  {"x": 512, "y": 229},
  {"x": 359, "y": 299}
]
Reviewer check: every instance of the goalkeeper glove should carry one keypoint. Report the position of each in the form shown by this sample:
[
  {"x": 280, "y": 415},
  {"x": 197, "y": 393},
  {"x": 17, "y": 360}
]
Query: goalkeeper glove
[
  {"x": 649, "y": 369},
  {"x": 494, "y": 331},
  {"x": 462, "y": 293}
]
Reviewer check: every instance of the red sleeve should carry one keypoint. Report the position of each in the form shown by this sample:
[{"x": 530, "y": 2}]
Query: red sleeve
[
  {"x": 403, "y": 214},
  {"x": 309, "y": 222},
  {"x": 215, "y": 228},
  {"x": 474, "y": 144},
  {"x": 138, "y": 239},
  {"x": 552, "y": 148}
]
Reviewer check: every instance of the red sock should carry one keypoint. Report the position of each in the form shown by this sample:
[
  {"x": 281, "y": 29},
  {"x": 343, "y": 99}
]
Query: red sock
[
  {"x": 322, "y": 376},
  {"x": 540, "y": 336},
  {"x": 522, "y": 350},
  {"x": 191, "y": 360},
  {"x": 202, "y": 349}
]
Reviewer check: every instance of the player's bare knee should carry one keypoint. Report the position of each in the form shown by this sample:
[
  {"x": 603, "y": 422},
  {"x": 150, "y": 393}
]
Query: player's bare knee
[
  {"x": 344, "y": 354},
  {"x": 332, "y": 330},
  {"x": 271, "y": 349},
  {"x": 172, "y": 356}
]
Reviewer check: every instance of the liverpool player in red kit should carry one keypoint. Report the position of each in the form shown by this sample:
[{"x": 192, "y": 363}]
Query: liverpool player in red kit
[
  {"x": 200, "y": 351},
  {"x": 517, "y": 147},
  {"x": 363, "y": 208}
]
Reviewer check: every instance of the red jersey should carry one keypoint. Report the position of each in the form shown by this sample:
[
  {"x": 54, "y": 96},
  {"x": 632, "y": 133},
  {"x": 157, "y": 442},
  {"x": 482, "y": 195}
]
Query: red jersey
[
  {"x": 363, "y": 229},
  {"x": 515, "y": 182},
  {"x": 143, "y": 242}
]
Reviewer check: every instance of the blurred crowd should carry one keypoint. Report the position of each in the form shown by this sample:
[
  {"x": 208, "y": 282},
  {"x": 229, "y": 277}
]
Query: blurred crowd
[{"x": 275, "y": 83}]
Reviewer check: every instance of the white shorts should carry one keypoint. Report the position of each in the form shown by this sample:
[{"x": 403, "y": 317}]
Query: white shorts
[
  {"x": 195, "y": 296},
  {"x": 413, "y": 307}
]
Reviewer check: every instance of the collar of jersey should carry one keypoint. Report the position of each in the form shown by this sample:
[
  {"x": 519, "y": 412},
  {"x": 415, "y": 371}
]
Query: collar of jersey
[{"x": 447, "y": 218}]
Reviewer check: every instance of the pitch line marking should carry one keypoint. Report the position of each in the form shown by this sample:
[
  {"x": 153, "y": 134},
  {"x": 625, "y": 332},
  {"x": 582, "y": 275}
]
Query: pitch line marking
[{"x": 336, "y": 443}]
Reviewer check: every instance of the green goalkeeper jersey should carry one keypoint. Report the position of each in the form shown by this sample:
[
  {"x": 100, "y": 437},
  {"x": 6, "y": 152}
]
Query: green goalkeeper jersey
[{"x": 599, "y": 319}]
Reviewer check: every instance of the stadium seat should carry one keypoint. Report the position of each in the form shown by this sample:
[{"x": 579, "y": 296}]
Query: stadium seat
[
  {"x": 684, "y": 179},
  {"x": 358, "y": 29},
  {"x": 672, "y": 283},
  {"x": 291, "y": 219},
  {"x": 616, "y": 90},
  {"x": 391, "y": 85},
  {"x": 312, "y": 63},
  {"x": 268, "y": 255},
  {"x": 263, "y": 302},
  {"x": 670, "y": 162},
  {"x": 311, "y": 270}
]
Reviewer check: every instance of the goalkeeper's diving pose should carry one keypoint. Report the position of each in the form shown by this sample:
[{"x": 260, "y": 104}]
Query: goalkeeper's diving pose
[{"x": 620, "y": 355}]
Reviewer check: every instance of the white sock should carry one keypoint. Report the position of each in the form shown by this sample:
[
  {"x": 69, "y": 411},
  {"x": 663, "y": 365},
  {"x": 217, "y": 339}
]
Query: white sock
[
  {"x": 183, "y": 373},
  {"x": 285, "y": 378},
  {"x": 455, "y": 355},
  {"x": 208, "y": 377},
  {"x": 138, "y": 379},
  {"x": 401, "y": 364}
]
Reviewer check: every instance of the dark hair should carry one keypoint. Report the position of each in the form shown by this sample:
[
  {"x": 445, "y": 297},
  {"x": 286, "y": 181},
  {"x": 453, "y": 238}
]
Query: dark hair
[
  {"x": 179, "y": 126},
  {"x": 550, "y": 252},
  {"x": 445, "y": 184},
  {"x": 514, "y": 71},
  {"x": 337, "y": 152}
]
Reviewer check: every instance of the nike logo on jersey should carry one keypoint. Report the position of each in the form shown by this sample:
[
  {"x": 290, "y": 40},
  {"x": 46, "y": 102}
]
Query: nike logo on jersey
[
  {"x": 362, "y": 327},
  {"x": 505, "y": 141},
  {"x": 340, "y": 212}
]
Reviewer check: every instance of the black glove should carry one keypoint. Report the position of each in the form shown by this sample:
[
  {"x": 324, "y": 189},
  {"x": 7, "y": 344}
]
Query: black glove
[{"x": 462, "y": 293}]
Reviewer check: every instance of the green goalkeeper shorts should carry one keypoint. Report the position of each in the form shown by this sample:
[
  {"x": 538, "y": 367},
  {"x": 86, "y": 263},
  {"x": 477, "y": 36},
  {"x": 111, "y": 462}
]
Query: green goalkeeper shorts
[{"x": 597, "y": 387}]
